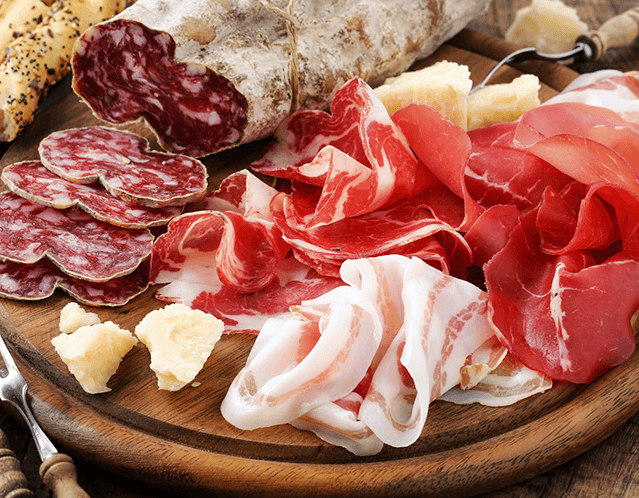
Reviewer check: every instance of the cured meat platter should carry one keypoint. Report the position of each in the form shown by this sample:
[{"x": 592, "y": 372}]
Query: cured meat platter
[{"x": 180, "y": 441}]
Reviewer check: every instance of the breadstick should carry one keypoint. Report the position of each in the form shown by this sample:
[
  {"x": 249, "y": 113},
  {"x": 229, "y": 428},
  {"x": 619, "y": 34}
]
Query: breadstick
[
  {"x": 18, "y": 17},
  {"x": 40, "y": 59}
]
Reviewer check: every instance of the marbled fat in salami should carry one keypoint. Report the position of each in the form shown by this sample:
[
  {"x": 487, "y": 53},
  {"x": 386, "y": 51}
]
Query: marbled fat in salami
[
  {"x": 31, "y": 180},
  {"x": 35, "y": 281},
  {"x": 123, "y": 164},
  {"x": 77, "y": 243}
]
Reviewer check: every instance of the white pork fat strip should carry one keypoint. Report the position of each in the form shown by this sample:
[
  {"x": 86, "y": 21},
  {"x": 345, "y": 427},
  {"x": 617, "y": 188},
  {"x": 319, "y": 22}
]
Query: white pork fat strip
[
  {"x": 211, "y": 75},
  {"x": 423, "y": 325}
]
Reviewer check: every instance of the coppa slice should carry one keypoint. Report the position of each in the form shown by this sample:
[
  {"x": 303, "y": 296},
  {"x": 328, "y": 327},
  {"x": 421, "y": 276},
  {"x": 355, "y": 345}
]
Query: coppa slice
[
  {"x": 31, "y": 180},
  {"x": 77, "y": 243},
  {"x": 39, "y": 280},
  {"x": 124, "y": 165}
]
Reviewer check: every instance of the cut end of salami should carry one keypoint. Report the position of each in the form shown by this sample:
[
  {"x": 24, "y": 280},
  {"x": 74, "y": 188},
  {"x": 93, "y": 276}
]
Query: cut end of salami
[{"x": 125, "y": 71}]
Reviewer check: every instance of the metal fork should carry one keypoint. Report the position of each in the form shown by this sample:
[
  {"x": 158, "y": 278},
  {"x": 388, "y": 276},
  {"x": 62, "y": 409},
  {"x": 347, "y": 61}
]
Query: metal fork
[
  {"x": 580, "y": 50},
  {"x": 57, "y": 470}
]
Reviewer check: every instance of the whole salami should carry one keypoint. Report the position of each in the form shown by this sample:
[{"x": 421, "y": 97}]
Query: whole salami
[{"x": 207, "y": 76}]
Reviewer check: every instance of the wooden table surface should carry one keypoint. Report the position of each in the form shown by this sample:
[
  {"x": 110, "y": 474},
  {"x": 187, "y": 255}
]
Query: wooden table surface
[{"x": 607, "y": 470}]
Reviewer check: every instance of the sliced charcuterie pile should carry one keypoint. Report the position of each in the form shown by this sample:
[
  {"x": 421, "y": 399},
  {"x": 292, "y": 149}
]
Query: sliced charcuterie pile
[
  {"x": 39, "y": 280},
  {"x": 231, "y": 260},
  {"x": 31, "y": 180},
  {"x": 360, "y": 364},
  {"x": 123, "y": 164},
  {"x": 78, "y": 244}
]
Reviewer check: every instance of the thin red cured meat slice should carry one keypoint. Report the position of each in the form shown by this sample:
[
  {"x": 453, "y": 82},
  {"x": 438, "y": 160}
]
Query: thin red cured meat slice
[
  {"x": 123, "y": 164},
  {"x": 39, "y": 280},
  {"x": 30, "y": 179},
  {"x": 127, "y": 71},
  {"x": 406, "y": 228},
  {"x": 77, "y": 243},
  {"x": 590, "y": 144},
  {"x": 241, "y": 280},
  {"x": 562, "y": 315},
  {"x": 499, "y": 172},
  {"x": 444, "y": 148},
  {"x": 301, "y": 136},
  {"x": 369, "y": 166},
  {"x": 490, "y": 233}
]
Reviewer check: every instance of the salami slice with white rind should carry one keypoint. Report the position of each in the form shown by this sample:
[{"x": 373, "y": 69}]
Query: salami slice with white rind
[
  {"x": 39, "y": 280},
  {"x": 211, "y": 75},
  {"x": 31, "y": 180},
  {"x": 77, "y": 243},
  {"x": 124, "y": 165}
]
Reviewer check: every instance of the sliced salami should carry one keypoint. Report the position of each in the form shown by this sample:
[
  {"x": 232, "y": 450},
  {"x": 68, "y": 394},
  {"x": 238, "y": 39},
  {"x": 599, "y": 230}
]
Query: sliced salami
[
  {"x": 39, "y": 280},
  {"x": 210, "y": 75},
  {"x": 77, "y": 243},
  {"x": 124, "y": 165},
  {"x": 31, "y": 180}
]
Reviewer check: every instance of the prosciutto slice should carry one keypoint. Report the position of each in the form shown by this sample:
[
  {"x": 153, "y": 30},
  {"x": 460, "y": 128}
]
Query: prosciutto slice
[{"x": 420, "y": 327}]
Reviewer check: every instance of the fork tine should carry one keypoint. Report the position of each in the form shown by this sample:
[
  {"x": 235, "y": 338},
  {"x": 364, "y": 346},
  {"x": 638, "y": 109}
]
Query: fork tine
[{"x": 9, "y": 363}]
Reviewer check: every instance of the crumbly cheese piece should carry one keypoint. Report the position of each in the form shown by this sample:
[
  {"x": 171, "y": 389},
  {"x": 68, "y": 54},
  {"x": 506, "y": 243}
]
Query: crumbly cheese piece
[
  {"x": 72, "y": 317},
  {"x": 503, "y": 102},
  {"x": 548, "y": 25},
  {"x": 40, "y": 58},
  {"x": 93, "y": 353},
  {"x": 444, "y": 86},
  {"x": 180, "y": 340}
]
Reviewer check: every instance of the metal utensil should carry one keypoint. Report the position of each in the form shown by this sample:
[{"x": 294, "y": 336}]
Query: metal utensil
[
  {"x": 618, "y": 31},
  {"x": 57, "y": 470}
]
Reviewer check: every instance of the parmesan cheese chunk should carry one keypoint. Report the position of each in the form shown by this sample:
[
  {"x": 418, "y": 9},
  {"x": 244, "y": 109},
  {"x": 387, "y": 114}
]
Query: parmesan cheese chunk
[
  {"x": 548, "y": 25},
  {"x": 72, "y": 317},
  {"x": 444, "y": 86},
  {"x": 503, "y": 102},
  {"x": 180, "y": 340},
  {"x": 93, "y": 353}
]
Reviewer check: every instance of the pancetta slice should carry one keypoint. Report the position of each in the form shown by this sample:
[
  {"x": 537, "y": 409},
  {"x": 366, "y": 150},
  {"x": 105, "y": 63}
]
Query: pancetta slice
[
  {"x": 422, "y": 325},
  {"x": 298, "y": 364},
  {"x": 30, "y": 179},
  {"x": 77, "y": 243},
  {"x": 123, "y": 164},
  {"x": 607, "y": 88}
]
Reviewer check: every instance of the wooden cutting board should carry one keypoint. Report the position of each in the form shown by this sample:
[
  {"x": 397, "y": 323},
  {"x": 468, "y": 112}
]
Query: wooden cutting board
[{"x": 179, "y": 440}]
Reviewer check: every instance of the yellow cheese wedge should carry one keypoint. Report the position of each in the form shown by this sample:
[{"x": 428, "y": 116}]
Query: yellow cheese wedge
[
  {"x": 444, "y": 86},
  {"x": 503, "y": 102},
  {"x": 180, "y": 340},
  {"x": 548, "y": 25},
  {"x": 93, "y": 353}
]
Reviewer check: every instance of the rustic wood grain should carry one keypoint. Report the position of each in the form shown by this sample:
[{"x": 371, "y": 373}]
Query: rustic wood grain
[{"x": 605, "y": 470}]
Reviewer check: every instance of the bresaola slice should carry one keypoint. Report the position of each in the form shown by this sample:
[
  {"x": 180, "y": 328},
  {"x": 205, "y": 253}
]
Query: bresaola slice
[
  {"x": 123, "y": 164},
  {"x": 31, "y": 180},
  {"x": 77, "y": 243},
  {"x": 563, "y": 314},
  {"x": 39, "y": 280}
]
